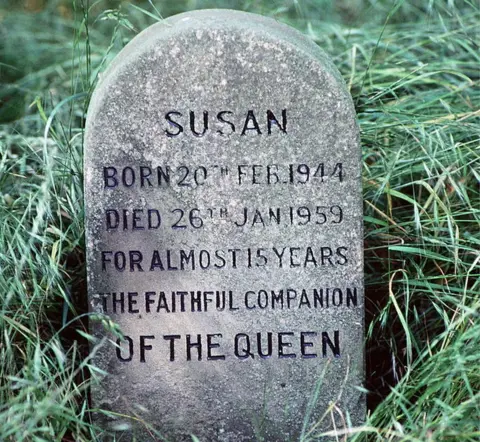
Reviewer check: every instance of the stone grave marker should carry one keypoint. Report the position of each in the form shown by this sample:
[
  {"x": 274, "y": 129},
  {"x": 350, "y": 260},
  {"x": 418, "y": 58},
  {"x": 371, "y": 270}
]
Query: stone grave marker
[{"x": 224, "y": 232}]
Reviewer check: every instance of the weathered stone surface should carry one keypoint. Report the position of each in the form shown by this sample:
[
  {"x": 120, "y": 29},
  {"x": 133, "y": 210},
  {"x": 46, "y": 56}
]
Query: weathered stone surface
[{"x": 205, "y": 242}]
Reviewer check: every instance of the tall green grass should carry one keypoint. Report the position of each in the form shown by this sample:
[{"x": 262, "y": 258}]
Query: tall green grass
[{"x": 413, "y": 69}]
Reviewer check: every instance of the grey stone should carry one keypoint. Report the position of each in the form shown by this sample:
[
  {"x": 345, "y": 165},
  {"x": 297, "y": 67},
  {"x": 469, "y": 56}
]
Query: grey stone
[{"x": 196, "y": 288}]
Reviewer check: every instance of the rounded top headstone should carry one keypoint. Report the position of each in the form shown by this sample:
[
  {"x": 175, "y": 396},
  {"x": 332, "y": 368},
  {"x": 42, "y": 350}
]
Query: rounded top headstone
[{"x": 224, "y": 230}]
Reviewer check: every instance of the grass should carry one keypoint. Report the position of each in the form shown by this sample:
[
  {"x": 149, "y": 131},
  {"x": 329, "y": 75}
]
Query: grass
[{"x": 413, "y": 70}]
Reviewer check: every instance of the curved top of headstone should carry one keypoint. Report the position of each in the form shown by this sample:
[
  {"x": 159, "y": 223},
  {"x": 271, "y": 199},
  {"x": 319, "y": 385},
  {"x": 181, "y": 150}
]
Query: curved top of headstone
[{"x": 214, "y": 21}]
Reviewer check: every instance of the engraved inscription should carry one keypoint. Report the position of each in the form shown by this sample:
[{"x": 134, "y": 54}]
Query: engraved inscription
[
  {"x": 234, "y": 258},
  {"x": 224, "y": 123},
  {"x": 194, "y": 176},
  {"x": 153, "y": 301},
  {"x": 121, "y": 220},
  {"x": 263, "y": 345}
]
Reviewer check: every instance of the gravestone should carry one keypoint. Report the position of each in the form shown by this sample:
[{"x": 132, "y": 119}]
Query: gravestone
[{"x": 224, "y": 233}]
